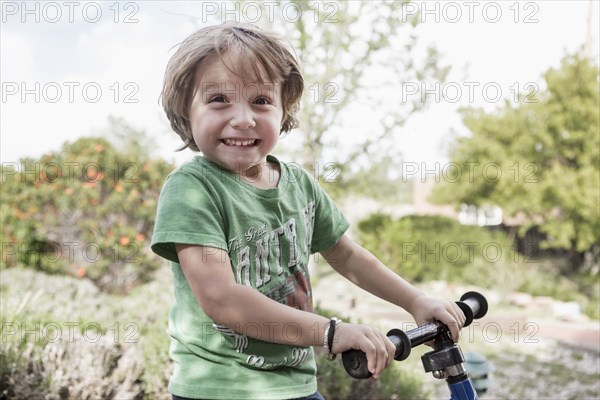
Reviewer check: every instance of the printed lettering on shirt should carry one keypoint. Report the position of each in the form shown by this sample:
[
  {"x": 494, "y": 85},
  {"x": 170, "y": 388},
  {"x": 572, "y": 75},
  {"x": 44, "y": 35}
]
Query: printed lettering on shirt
[
  {"x": 234, "y": 244},
  {"x": 243, "y": 265},
  {"x": 262, "y": 261},
  {"x": 253, "y": 233},
  {"x": 240, "y": 341},
  {"x": 255, "y": 361},
  {"x": 290, "y": 233},
  {"x": 261, "y": 254},
  {"x": 267, "y": 250},
  {"x": 309, "y": 225},
  {"x": 275, "y": 238},
  {"x": 299, "y": 355}
]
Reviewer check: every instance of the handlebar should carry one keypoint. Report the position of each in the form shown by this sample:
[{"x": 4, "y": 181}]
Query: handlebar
[{"x": 472, "y": 304}]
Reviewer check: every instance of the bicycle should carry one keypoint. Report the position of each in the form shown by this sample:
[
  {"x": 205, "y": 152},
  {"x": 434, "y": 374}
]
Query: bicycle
[{"x": 444, "y": 362}]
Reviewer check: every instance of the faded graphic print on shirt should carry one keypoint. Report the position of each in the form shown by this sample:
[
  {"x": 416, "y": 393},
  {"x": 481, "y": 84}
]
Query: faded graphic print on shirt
[{"x": 275, "y": 262}]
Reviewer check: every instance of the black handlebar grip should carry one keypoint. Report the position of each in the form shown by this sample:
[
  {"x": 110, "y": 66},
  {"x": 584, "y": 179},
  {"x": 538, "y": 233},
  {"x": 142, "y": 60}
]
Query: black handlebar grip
[
  {"x": 472, "y": 304},
  {"x": 476, "y": 302},
  {"x": 402, "y": 343},
  {"x": 355, "y": 363}
]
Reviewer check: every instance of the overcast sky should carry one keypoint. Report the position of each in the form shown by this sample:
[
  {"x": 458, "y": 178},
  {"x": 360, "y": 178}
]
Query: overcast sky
[{"x": 66, "y": 66}]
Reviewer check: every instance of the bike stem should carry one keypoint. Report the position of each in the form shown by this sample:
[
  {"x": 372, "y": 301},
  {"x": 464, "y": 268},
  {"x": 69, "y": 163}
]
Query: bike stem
[{"x": 446, "y": 362}]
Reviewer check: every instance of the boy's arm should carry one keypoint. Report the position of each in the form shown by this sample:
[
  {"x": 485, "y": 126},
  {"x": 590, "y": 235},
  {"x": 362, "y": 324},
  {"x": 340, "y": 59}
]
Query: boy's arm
[
  {"x": 363, "y": 269},
  {"x": 208, "y": 272}
]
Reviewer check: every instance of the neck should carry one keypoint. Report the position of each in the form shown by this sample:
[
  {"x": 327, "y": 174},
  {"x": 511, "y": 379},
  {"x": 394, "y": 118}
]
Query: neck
[{"x": 264, "y": 176}]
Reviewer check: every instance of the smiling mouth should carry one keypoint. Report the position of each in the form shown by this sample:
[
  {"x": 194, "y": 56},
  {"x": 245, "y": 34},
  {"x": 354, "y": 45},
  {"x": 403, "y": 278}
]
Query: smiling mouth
[{"x": 240, "y": 142}]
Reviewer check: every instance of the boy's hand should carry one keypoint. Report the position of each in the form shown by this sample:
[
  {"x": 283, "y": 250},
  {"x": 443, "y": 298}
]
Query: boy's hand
[
  {"x": 425, "y": 309},
  {"x": 378, "y": 348}
]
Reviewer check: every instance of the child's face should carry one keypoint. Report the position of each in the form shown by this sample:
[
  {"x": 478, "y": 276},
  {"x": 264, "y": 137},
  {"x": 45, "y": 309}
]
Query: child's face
[{"x": 235, "y": 125}]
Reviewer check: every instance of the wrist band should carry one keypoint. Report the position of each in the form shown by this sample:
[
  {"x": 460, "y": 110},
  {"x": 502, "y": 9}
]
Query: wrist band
[{"x": 328, "y": 339}]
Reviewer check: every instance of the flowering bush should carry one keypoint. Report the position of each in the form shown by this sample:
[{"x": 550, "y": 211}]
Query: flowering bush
[{"x": 86, "y": 210}]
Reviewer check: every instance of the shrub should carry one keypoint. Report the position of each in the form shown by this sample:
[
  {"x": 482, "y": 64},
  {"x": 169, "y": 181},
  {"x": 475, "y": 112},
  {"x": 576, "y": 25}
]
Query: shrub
[
  {"x": 395, "y": 383},
  {"x": 422, "y": 248},
  {"x": 76, "y": 368},
  {"x": 86, "y": 210},
  {"x": 64, "y": 338}
]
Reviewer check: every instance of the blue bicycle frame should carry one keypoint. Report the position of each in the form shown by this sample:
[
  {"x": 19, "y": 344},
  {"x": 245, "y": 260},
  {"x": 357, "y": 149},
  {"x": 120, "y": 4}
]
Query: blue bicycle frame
[{"x": 444, "y": 362}]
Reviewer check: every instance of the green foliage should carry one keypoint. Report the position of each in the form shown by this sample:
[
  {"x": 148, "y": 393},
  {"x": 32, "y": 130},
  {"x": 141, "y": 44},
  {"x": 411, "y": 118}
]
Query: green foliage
[
  {"x": 395, "y": 383},
  {"x": 86, "y": 210},
  {"x": 542, "y": 158},
  {"x": 422, "y": 248}
]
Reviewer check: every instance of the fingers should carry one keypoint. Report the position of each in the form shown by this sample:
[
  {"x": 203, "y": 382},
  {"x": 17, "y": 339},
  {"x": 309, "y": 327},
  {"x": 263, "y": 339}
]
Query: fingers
[
  {"x": 376, "y": 346},
  {"x": 449, "y": 313},
  {"x": 382, "y": 354},
  {"x": 453, "y": 318}
]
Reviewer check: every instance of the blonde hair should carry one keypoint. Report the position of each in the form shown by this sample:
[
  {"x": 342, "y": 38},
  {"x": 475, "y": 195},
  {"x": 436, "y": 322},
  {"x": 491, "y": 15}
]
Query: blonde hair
[{"x": 255, "y": 51}]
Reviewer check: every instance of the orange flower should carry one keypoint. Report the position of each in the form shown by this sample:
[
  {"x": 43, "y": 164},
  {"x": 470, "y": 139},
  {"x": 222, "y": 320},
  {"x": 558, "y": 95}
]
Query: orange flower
[
  {"x": 140, "y": 237},
  {"x": 80, "y": 272},
  {"x": 93, "y": 174},
  {"x": 99, "y": 148},
  {"x": 124, "y": 240},
  {"x": 118, "y": 188}
]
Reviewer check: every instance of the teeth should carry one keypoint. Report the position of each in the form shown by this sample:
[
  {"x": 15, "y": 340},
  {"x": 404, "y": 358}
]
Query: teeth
[{"x": 239, "y": 142}]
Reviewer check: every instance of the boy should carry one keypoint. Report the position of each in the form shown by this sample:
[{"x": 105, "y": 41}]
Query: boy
[{"x": 239, "y": 227}]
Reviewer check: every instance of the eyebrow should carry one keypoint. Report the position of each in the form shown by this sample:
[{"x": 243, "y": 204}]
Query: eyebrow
[{"x": 223, "y": 88}]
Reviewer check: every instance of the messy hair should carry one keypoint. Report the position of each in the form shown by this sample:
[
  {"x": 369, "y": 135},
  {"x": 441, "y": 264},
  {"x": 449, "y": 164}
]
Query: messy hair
[{"x": 257, "y": 52}]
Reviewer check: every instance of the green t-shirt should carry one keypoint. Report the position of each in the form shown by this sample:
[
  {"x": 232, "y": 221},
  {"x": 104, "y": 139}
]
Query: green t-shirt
[{"x": 269, "y": 235}]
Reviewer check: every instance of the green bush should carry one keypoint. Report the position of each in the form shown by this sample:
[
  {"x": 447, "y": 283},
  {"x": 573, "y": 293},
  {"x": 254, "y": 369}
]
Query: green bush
[
  {"x": 422, "y": 248},
  {"x": 86, "y": 210},
  {"x": 395, "y": 383}
]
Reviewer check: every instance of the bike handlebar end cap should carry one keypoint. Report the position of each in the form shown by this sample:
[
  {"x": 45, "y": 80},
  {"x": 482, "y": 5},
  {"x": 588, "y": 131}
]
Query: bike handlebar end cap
[
  {"x": 402, "y": 343},
  {"x": 355, "y": 362},
  {"x": 480, "y": 299},
  {"x": 467, "y": 311}
]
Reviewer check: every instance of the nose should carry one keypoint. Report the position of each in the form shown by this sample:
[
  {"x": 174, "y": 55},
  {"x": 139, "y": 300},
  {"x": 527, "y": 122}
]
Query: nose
[{"x": 242, "y": 117}]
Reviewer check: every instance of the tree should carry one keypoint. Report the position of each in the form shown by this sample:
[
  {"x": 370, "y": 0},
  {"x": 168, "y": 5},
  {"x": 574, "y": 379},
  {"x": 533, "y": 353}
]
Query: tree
[
  {"x": 356, "y": 58},
  {"x": 539, "y": 161}
]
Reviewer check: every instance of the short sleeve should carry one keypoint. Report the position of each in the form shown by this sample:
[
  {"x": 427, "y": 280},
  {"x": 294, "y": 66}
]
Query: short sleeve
[
  {"x": 186, "y": 214},
  {"x": 329, "y": 225}
]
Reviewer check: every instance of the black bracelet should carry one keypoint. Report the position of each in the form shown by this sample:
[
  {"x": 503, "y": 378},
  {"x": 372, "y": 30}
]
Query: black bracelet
[{"x": 330, "y": 333}]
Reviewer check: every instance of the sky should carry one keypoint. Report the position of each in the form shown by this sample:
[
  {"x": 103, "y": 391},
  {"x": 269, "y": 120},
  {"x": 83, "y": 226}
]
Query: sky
[{"x": 66, "y": 66}]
